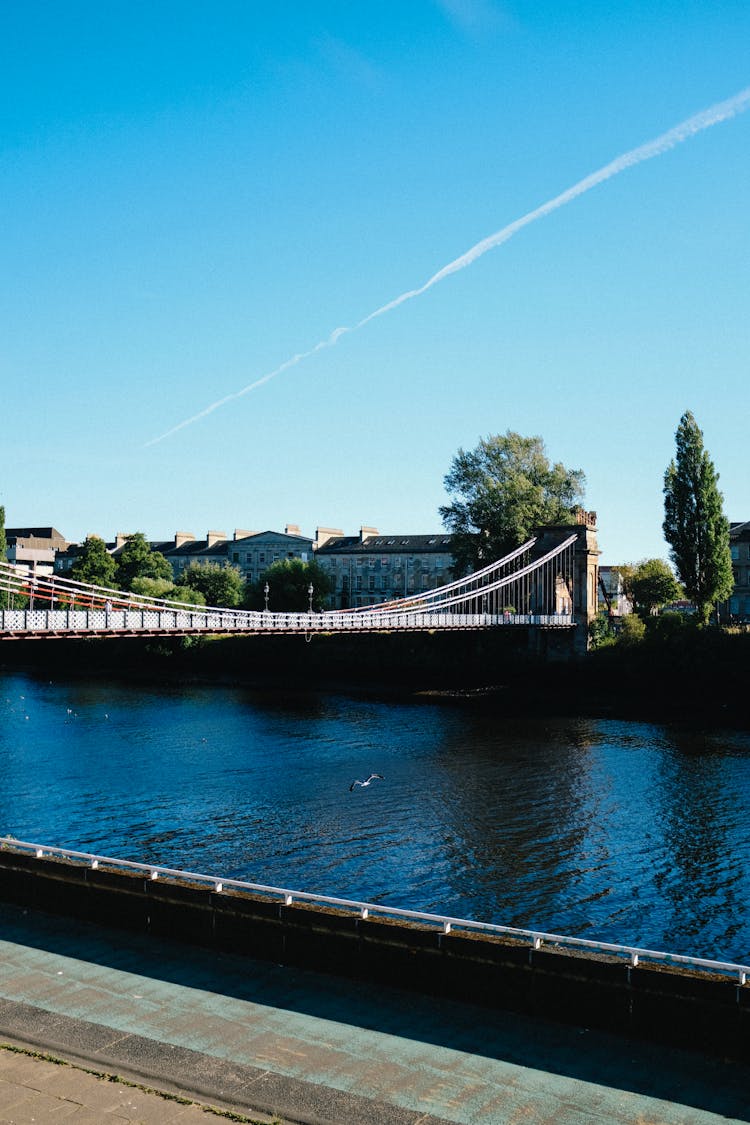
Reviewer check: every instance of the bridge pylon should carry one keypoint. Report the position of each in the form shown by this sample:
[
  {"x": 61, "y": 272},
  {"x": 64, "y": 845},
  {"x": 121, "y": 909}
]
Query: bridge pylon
[{"x": 577, "y": 587}]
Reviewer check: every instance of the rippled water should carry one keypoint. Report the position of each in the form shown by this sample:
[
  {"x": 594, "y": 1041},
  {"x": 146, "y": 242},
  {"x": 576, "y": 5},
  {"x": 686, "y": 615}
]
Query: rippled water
[{"x": 622, "y": 831}]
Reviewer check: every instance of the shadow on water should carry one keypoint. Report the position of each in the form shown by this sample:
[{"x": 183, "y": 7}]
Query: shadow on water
[
  {"x": 703, "y": 806},
  {"x": 682, "y": 1077},
  {"x": 513, "y": 791}
]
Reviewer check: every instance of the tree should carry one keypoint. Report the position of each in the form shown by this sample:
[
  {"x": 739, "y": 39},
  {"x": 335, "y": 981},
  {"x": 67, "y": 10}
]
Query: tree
[
  {"x": 162, "y": 588},
  {"x": 289, "y": 581},
  {"x": 138, "y": 560},
  {"x": 694, "y": 522},
  {"x": 94, "y": 564},
  {"x": 152, "y": 587},
  {"x": 220, "y": 585},
  {"x": 632, "y": 630},
  {"x": 503, "y": 490},
  {"x": 651, "y": 585}
]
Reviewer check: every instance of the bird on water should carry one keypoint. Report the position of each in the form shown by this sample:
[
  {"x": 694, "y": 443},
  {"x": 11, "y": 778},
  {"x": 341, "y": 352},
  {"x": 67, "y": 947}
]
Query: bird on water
[{"x": 367, "y": 781}]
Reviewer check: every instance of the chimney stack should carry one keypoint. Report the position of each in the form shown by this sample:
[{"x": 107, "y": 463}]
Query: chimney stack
[{"x": 323, "y": 534}]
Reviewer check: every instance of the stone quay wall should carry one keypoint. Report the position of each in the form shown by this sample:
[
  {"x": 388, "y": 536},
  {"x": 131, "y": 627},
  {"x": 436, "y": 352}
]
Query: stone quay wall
[{"x": 665, "y": 1004}]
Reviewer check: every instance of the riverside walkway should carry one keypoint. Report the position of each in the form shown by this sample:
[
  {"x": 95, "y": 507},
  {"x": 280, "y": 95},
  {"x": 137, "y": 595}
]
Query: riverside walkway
[{"x": 277, "y": 1043}]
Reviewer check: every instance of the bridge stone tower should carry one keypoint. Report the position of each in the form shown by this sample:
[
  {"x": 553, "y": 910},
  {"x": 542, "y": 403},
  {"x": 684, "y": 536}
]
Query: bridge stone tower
[{"x": 583, "y": 583}]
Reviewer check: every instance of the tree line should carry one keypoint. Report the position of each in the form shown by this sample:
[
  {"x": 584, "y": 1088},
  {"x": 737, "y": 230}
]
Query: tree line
[{"x": 139, "y": 569}]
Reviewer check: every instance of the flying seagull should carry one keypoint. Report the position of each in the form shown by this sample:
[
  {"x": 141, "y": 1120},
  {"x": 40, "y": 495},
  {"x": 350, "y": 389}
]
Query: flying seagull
[{"x": 365, "y": 783}]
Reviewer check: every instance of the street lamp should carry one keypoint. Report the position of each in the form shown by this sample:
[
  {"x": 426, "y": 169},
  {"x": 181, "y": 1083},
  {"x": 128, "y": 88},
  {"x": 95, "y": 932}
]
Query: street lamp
[
  {"x": 265, "y": 595},
  {"x": 310, "y": 589}
]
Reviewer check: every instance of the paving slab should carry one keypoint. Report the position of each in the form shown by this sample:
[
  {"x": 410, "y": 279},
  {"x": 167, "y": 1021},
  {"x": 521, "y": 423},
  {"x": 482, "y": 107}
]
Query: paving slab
[
  {"x": 35, "y": 1091},
  {"x": 320, "y": 1049}
]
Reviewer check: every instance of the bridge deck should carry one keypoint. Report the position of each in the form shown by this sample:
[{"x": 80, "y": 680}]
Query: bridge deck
[{"x": 23, "y": 624}]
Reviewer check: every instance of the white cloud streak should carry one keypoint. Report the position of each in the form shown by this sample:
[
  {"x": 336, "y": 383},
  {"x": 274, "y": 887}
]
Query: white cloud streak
[{"x": 714, "y": 115}]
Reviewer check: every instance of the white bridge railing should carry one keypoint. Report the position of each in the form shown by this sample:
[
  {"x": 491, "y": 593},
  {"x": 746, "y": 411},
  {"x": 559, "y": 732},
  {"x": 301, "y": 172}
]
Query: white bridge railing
[
  {"x": 536, "y": 939},
  {"x": 16, "y": 622}
]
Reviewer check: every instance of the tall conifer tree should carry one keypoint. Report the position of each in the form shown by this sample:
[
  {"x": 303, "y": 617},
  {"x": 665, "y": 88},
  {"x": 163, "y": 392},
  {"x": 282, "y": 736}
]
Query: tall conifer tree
[{"x": 694, "y": 522}]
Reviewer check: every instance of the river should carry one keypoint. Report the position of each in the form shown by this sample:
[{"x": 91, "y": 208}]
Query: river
[{"x": 619, "y": 831}]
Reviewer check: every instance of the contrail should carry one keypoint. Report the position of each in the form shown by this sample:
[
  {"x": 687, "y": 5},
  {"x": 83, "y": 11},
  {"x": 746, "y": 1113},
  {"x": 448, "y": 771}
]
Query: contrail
[{"x": 714, "y": 115}]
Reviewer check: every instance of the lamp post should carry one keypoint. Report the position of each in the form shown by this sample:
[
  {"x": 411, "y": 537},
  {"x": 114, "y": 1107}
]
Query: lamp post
[
  {"x": 310, "y": 589},
  {"x": 265, "y": 595}
]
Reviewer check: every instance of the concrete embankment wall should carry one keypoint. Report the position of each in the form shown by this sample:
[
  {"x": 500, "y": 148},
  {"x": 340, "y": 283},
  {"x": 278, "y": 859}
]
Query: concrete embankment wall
[{"x": 664, "y": 1004}]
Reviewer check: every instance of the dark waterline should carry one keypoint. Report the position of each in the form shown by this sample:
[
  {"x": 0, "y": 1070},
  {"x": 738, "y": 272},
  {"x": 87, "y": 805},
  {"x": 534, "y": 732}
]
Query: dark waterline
[{"x": 621, "y": 831}]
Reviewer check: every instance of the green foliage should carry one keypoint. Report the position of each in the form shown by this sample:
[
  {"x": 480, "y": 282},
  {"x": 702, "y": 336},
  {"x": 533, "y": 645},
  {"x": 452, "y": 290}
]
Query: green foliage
[
  {"x": 152, "y": 587},
  {"x": 138, "y": 560},
  {"x": 502, "y": 490},
  {"x": 668, "y": 625},
  {"x": 694, "y": 522},
  {"x": 94, "y": 564},
  {"x": 288, "y": 582},
  {"x": 186, "y": 594},
  {"x": 601, "y": 632},
  {"x": 651, "y": 585},
  {"x": 163, "y": 588},
  {"x": 632, "y": 630},
  {"x": 219, "y": 585}
]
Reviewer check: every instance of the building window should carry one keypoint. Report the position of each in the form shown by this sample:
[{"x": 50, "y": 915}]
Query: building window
[
  {"x": 734, "y": 550},
  {"x": 235, "y": 556}
]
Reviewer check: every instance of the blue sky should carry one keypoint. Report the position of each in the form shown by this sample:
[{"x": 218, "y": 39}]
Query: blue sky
[{"x": 192, "y": 194}]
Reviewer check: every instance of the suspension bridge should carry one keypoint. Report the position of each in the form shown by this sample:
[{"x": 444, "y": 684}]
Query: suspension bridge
[{"x": 525, "y": 588}]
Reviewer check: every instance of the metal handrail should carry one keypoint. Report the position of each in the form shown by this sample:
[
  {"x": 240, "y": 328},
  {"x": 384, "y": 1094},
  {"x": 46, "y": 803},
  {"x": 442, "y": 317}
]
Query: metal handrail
[
  {"x": 121, "y": 621},
  {"x": 446, "y": 923}
]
